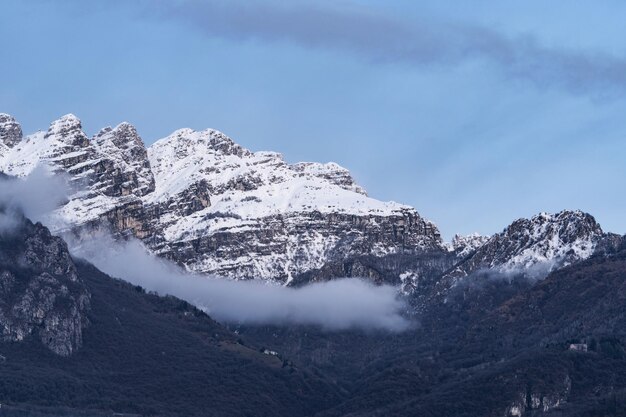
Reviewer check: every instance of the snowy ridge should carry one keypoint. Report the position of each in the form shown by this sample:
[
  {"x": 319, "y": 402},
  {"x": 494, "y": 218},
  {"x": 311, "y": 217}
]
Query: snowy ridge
[
  {"x": 562, "y": 238},
  {"x": 207, "y": 203},
  {"x": 536, "y": 246},
  {"x": 98, "y": 168},
  {"x": 462, "y": 246},
  {"x": 213, "y": 206},
  {"x": 245, "y": 186}
]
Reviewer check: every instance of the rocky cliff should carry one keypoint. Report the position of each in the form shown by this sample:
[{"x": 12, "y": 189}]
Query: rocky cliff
[
  {"x": 41, "y": 294},
  {"x": 545, "y": 241},
  {"x": 211, "y": 205},
  {"x": 533, "y": 248}
]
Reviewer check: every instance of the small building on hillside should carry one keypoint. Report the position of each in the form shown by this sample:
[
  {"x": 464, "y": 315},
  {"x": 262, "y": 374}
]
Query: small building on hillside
[{"x": 578, "y": 347}]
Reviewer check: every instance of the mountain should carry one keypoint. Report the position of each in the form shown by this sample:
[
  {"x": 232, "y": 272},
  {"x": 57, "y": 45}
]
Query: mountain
[
  {"x": 462, "y": 246},
  {"x": 78, "y": 342},
  {"x": 41, "y": 294},
  {"x": 527, "y": 322},
  {"x": 211, "y": 205},
  {"x": 535, "y": 247},
  {"x": 554, "y": 347}
]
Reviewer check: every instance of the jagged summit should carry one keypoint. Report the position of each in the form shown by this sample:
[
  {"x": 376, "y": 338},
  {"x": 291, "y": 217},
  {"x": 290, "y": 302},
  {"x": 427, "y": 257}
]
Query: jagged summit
[
  {"x": 213, "y": 206},
  {"x": 538, "y": 245},
  {"x": 462, "y": 246},
  {"x": 10, "y": 131},
  {"x": 125, "y": 149},
  {"x": 210, "y": 204},
  {"x": 69, "y": 130}
]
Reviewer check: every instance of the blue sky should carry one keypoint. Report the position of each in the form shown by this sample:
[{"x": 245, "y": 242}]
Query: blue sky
[{"x": 475, "y": 113}]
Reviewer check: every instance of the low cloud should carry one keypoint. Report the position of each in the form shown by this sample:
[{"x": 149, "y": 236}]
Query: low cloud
[
  {"x": 36, "y": 196},
  {"x": 9, "y": 221},
  {"x": 531, "y": 274},
  {"x": 335, "y": 305}
]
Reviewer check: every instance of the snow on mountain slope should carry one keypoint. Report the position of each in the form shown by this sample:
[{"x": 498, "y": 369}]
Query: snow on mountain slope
[
  {"x": 209, "y": 204},
  {"x": 101, "y": 170},
  {"x": 537, "y": 246},
  {"x": 63, "y": 145},
  {"x": 266, "y": 218},
  {"x": 244, "y": 185},
  {"x": 463, "y": 246}
]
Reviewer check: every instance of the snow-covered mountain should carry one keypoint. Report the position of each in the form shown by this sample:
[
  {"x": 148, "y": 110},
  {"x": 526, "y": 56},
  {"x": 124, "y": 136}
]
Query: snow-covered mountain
[
  {"x": 208, "y": 203},
  {"x": 204, "y": 201},
  {"x": 462, "y": 246},
  {"x": 538, "y": 245}
]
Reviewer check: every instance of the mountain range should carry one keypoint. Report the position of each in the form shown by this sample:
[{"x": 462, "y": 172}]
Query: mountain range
[
  {"x": 214, "y": 207},
  {"x": 528, "y": 322}
]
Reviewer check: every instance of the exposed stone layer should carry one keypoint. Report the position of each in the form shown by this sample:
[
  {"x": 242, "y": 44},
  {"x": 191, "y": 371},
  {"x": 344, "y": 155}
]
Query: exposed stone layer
[{"x": 40, "y": 291}]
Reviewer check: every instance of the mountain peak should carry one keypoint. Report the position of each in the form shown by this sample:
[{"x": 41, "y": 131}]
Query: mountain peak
[
  {"x": 536, "y": 246},
  {"x": 122, "y": 135},
  {"x": 563, "y": 215},
  {"x": 462, "y": 246},
  {"x": 566, "y": 225},
  {"x": 69, "y": 119},
  {"x": 69, "y": 130},
  {"x": 10, "y": 130},
  {"x": 124, "y": 149}
]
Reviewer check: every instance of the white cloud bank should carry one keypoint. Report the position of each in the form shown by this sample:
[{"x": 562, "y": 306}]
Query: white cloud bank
[{"x": 334, "y": 305}]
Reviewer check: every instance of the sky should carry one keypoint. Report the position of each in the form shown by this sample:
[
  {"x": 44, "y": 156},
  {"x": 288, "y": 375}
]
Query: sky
[{"x": 474, "y": 112}]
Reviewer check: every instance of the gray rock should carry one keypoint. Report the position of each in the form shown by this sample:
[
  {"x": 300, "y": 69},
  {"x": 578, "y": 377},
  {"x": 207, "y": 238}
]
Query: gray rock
[
  {"x": 41, "y": 294},
  {"x": 10, "y": 130}
]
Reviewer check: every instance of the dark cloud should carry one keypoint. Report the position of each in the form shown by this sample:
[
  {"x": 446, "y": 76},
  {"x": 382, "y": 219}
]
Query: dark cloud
[{"x": 386, "y": 39}]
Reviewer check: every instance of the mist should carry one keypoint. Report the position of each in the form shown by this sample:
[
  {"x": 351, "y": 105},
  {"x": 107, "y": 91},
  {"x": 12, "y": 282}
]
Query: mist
[
  {"x": 35, "y": 196},
  {"x": 335, "y": 305}
]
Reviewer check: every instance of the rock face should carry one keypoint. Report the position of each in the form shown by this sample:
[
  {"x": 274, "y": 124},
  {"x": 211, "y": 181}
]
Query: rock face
[
  {"x": 40, "y": 291},
  {"x": 211, "y": 205},
  {"x": 207, "y": 203},
  {"x": 127, "y": 170},
  {"x": 462, "y": 246},
  {"x": 264, "y": 218},
  {"x": 10, "y": 131},
  {"x": 535, "y": 247}
]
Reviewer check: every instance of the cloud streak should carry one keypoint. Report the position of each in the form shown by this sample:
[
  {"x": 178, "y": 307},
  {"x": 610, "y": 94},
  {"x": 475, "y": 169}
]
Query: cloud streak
[
  {"x": 386, "y": 39},
  {"x": 334, "y": 305}
]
